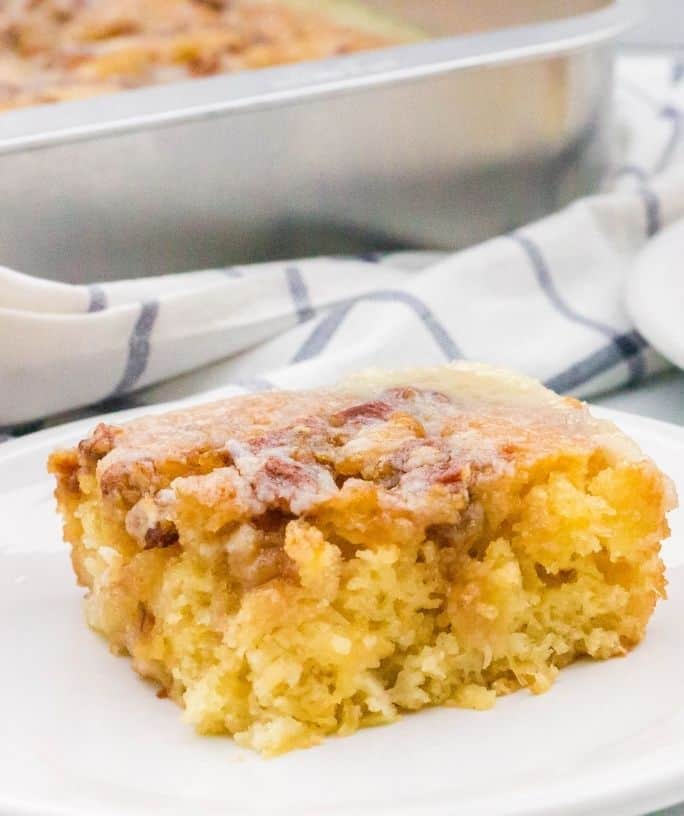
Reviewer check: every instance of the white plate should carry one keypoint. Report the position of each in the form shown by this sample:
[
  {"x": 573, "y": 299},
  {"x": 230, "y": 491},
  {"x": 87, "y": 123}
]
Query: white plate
[
  {"x": 82, "y": 735},
  {"x": 655, "y": 293}
]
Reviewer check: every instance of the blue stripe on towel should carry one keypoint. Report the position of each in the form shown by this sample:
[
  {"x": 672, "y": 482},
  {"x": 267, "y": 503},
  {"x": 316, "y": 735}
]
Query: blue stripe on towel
[
  {"x": 675, "y": 117},
  {"x": 596, "y": 363},
  {"x": 299, "y": 293},
  {"x": 138, "y": 348},
  {"x": 546, "y": 283},
  {"x": 98, "y": 298},
  {"x": 652, "y": 210},
  {"x": 322, "y": 334}
]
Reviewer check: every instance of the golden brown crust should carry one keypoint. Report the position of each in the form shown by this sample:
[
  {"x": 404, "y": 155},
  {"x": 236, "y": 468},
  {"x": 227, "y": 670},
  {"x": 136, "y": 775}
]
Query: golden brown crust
[
  {"x": 59, "y": 50},
  {"x": 394, "y": 450}
]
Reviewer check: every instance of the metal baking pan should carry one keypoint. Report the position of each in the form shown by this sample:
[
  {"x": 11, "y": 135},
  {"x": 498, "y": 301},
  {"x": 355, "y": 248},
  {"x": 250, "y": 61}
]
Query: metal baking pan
[{"x": 502, "y": 117}]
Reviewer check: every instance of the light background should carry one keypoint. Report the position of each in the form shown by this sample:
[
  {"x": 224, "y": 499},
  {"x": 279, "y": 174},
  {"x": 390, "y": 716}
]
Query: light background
[{"x": 663, "y": 26}]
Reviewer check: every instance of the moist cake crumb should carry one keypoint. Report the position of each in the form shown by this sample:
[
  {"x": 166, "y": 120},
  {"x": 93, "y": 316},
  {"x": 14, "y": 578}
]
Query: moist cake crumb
[{"x": 292, "y": 565}]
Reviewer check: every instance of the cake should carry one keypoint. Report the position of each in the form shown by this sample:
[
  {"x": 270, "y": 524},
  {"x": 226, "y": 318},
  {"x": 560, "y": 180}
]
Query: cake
[
  {"x": 61, "y": 50},
  {"x": 291, "y": 565}
]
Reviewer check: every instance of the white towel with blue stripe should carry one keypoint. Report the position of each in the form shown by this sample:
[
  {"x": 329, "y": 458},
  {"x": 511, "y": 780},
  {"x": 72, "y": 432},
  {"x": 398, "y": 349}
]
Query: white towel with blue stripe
[{"x": 546, "y": 300}]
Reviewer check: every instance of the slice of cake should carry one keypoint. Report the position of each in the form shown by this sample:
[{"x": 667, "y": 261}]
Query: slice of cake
[{"x": 295, "y": 564}]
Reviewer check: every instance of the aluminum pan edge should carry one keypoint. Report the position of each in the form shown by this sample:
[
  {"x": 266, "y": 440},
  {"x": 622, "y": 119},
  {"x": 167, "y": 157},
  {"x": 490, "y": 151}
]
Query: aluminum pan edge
[{"x": 160, "y": 106}]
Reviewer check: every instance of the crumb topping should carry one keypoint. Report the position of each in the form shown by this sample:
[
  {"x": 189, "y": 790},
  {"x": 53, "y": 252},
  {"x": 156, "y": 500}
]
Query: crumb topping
[{"x": 60, "y": 50}]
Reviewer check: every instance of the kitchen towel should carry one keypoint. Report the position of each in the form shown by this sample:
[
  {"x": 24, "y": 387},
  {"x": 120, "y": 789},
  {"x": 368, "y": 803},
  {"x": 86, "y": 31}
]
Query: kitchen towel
[{"x": 546, "y": 299}]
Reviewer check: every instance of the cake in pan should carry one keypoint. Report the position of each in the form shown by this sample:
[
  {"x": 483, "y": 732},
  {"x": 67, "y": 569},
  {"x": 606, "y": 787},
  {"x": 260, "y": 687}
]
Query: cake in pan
[
  {"x": 292, "y": 565},
  {"x": 59, "y": 50}
]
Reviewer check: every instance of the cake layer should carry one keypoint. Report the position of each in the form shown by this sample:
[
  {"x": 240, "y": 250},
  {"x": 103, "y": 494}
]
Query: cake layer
[{"x": 295, "y": 564}]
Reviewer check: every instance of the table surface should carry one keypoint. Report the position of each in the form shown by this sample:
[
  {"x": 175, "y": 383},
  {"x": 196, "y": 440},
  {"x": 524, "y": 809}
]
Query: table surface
[{"x": 659, "y": 398}]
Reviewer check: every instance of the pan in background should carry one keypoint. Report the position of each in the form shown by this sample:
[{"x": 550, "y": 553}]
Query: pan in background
[{"x": 438, "y": 144}]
